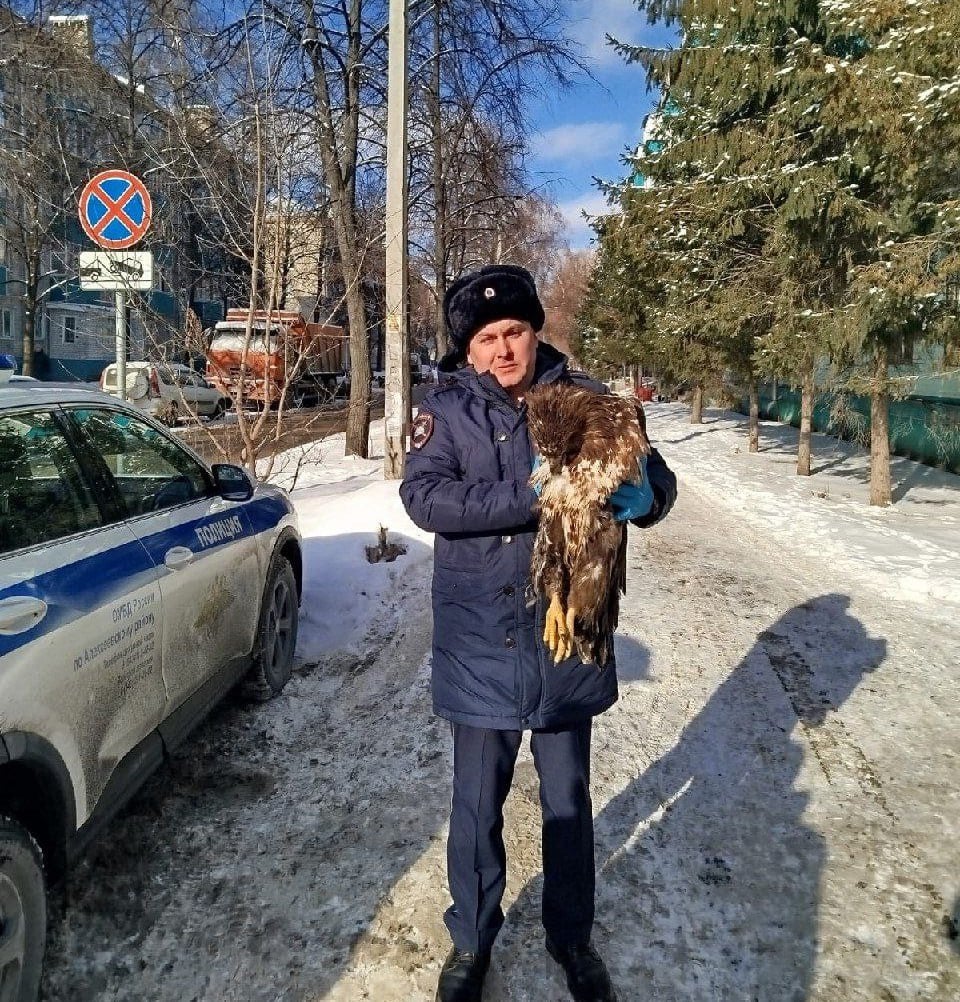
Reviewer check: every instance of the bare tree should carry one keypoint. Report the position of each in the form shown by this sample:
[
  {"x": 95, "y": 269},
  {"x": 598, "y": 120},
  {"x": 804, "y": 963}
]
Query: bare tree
[
  {"x": 472, "y": 64},
  {"x": 49, "y": 88},
  {"x": 343, "y": 47},
  {"x": 563, "y": 295},
  {"x": 247, "y": 165}
]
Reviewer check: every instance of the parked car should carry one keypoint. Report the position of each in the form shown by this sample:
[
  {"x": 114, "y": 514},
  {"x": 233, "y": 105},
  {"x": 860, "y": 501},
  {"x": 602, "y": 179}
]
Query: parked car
[
  {"x": 167, "y": 391},
  {"x": 137, "y": 586},
  {"x": 8, "y": 369}
]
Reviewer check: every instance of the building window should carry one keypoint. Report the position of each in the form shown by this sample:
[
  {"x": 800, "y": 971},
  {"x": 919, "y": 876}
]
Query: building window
[
  {"x": 6, "y": 326},
  {"x": 69, "y": 330}
]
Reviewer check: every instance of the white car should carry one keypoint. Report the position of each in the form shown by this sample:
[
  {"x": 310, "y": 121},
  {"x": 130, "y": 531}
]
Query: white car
[
  {"x": 167, "y": 391},
  {"x": 137, "y": 586}
]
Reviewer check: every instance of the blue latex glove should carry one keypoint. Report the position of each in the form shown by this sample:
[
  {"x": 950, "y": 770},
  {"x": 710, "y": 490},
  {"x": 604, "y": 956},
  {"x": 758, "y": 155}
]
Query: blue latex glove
[
  {"x": 633, "y": 500},
  {"x": 537, "y": 488}
]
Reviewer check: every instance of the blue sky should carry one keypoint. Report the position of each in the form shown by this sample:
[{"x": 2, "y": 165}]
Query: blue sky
[{"x": 582, "y": 133}]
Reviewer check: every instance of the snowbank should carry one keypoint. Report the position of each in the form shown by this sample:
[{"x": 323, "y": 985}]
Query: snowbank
[
  {"x": 348, "y": 603},
  {"x": 909, "y": 551}
]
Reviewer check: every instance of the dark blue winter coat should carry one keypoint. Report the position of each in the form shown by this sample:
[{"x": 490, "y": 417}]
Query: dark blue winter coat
[{"x": 468, "y": 484}]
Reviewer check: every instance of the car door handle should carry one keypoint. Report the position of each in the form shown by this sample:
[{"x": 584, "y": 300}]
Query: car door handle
[
  {"x": 177, "y": 557},
  {"x": 20, "y": 613}
]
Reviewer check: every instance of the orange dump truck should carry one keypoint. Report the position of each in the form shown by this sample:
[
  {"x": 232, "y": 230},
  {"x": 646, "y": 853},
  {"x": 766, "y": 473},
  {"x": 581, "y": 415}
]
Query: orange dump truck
[{"x": 276, "y": 356}]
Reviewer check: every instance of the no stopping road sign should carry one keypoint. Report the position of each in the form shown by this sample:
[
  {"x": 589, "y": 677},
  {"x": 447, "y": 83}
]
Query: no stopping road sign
[{"x": 115, "y": 209}]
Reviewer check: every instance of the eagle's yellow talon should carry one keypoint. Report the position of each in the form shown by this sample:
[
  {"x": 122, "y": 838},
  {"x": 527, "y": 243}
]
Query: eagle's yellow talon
[
  {"x": 564, "y": 647},
  {"x": 571, "y": 619},
  {"x": 555, "y": 628}
]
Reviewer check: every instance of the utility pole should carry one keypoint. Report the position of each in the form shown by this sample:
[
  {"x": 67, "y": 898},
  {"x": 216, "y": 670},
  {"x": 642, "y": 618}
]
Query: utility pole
[
  {"x": 396, "y": 404},
  {"x": 121, "y": 329}
]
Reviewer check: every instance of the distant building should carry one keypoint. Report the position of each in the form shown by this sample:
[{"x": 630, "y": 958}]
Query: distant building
[
  {"x": 306, "y": 275},
  {"x": 63, "y": 118}
]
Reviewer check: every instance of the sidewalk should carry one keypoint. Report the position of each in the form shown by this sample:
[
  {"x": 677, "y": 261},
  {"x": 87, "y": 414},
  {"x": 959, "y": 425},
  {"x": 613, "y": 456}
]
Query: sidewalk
[{"x": 909, "y": 551}]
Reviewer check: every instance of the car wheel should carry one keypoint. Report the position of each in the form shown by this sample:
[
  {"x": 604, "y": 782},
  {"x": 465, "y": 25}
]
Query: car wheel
[
  {"x": 23, "y": 914},
  {"x": 219, "y": 410},
  {"x": 276, "y": 633}
]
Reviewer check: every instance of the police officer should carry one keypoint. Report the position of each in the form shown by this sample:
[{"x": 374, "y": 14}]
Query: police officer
[{"x": 493, "y": 678}]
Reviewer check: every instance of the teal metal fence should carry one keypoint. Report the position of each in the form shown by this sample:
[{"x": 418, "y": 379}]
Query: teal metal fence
[{"x": 925, "y": 430}]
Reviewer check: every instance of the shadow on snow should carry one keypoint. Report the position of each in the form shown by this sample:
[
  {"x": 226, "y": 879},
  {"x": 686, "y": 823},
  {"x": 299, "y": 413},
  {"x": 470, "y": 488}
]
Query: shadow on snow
[{"x": 708, "y": 874}]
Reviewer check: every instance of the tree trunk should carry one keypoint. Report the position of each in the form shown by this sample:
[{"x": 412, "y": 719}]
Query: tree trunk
[
  {"x": 806, "y": 422},
  {"x": 880, "y": 494},
  {"x": 696, "y": 410},
  {"x": 31, "y": 300},
  {"x": 337, "y": 141},
  {"x": 754, "y": 417},
  {"x": 440, "y": 251},
  {"x": 29, "y": 331},
  {"x": 358, "y": 414}
]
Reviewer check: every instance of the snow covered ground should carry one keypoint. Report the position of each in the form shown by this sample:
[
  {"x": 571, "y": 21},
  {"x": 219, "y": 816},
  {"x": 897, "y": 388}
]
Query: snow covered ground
[
  {"x": 775, "y": 793},
  {"x": 910, "y": 550}
]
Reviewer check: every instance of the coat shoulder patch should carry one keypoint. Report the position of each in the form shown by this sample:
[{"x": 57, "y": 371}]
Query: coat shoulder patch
[{"x": 422, "y": 430}]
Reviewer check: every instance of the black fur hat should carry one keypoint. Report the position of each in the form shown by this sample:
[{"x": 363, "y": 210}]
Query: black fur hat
[{"x": 495, "y": 292}]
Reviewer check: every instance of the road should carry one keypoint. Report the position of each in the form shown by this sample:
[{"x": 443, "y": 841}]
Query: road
[
  {"x": 775, "y": 796},
  {"x": 211, "y": 439}
]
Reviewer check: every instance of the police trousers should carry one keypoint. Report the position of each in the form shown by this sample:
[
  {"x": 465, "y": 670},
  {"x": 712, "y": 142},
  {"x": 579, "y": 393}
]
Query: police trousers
[{"x": 483, "y": 764}]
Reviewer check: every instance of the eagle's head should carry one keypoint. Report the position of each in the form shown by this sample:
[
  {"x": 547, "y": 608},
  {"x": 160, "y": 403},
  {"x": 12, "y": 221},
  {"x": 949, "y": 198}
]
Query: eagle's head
[{"x": 556, "y": 423}]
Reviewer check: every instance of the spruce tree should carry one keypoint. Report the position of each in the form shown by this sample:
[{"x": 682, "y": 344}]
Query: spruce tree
[{"x": 800, "y": 204}]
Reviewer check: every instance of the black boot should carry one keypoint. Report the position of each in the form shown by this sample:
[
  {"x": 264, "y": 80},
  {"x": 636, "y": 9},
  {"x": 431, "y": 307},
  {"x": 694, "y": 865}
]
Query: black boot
[
  {"x": 461, "y": 978},
  {"x": 586, "y": 972}
]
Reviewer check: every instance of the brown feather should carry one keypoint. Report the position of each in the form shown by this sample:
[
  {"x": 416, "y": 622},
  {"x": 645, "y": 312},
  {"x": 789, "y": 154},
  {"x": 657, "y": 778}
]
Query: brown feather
[{"x": 589, "y": 444}]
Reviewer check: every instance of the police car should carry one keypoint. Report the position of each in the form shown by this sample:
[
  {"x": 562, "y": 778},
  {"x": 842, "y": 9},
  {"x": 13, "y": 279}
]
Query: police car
[{"x": 137, "y": 585}]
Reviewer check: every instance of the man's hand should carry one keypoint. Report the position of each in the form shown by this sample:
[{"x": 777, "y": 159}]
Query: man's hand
[{"x": 633, "y": 500}]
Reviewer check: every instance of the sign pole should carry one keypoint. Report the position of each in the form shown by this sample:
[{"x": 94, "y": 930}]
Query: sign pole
[
  {"x": 121, "y": 300},
  {"x": 396, "y": 404},
  {"x": 115, "y": 211}
]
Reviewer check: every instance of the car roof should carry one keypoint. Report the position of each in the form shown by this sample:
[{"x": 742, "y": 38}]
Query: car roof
[
  {"x": 141, "y": 364},
  {"x": 23, "y": 394}
]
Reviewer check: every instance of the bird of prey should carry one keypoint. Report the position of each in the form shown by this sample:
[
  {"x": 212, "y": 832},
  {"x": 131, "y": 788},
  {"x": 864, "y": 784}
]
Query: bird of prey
[{"x": 589, "y": 444}]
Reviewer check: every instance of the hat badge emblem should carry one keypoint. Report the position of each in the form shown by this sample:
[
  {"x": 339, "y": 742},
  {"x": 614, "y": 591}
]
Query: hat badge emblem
[{"x": 489, "y": 292}]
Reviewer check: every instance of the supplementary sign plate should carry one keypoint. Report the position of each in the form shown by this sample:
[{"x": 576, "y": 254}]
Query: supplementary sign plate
[
  {"x": 115, "y": 209},
  {"x": 107, "y": 271}
]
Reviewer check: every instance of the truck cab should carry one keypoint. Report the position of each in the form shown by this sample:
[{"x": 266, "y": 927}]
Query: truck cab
[{"x": 266, "y": 358}]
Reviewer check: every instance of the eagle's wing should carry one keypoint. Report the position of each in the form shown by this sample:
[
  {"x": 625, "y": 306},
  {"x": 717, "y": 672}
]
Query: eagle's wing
[{"x": 596, "y": 578}]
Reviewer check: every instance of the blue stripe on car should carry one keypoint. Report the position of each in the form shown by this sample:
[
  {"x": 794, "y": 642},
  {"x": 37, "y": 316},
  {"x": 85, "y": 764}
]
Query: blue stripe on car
[
  {"x": 266, "y": 512},
  {"x": 78, "y": 588}
]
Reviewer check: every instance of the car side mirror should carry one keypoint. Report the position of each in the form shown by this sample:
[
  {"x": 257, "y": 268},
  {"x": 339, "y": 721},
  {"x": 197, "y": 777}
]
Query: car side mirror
[{"x": 233, "y": 482}]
